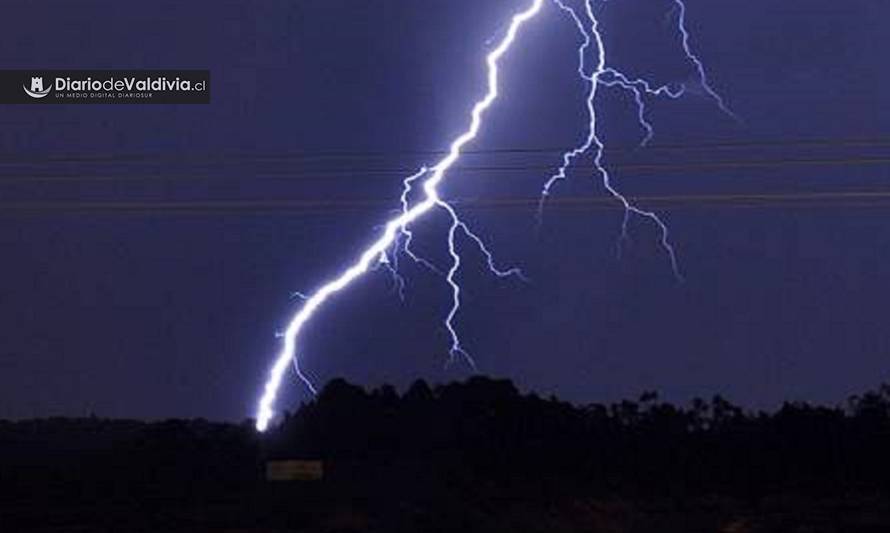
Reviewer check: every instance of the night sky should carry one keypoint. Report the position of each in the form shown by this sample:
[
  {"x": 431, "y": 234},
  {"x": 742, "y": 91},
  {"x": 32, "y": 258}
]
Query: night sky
[{"x": 155, "y": 264}]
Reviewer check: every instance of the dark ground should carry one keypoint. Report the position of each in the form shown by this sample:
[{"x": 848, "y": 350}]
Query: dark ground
[{"x": 474, "y": 456}]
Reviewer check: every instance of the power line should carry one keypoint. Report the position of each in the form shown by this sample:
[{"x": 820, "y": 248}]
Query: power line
[
  {"x": 317, "y": 174},
  {"x": 808, "y": 200},
  {"x": 12, "y": 159}
]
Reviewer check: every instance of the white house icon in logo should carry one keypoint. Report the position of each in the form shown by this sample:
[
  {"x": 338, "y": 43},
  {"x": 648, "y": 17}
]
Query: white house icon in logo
[{"x": 36, "y": 90}]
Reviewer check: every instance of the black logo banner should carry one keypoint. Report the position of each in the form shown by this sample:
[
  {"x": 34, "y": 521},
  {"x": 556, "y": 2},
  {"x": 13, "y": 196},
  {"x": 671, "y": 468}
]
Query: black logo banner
[{"x": 104, "y": 86}]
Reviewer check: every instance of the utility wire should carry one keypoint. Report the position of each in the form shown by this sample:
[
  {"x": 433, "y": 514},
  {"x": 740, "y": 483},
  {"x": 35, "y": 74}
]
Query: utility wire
[
  {"x": 14, "y": 159},
  {"x": 317, "y": 174},
  {"x": 858, "y": 199}
]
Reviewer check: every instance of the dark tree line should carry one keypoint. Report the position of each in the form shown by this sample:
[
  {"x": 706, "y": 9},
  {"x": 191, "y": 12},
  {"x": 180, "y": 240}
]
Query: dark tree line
[
  {"x": 485, "y": 431},
  {"x": 441, "y": 449}
]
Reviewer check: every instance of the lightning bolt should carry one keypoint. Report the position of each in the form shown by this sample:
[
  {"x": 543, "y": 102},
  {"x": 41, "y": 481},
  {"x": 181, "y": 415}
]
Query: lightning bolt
[
  {"x": 640, "y": 88},
  {"x": 699, "y": 66},
  {"x": 592, "y": 36},
  {"x": 396, "y": 228},
  {"x": 397, "y": 237}
]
